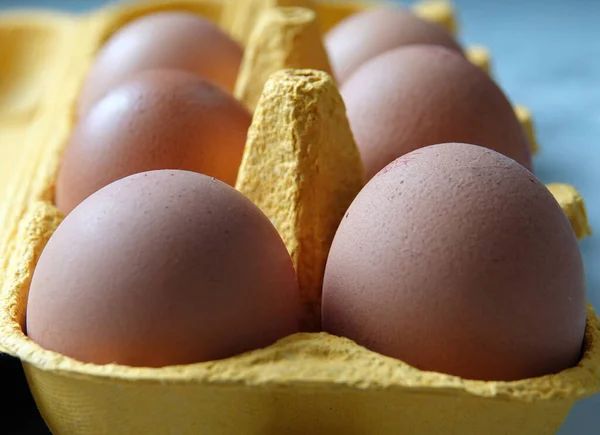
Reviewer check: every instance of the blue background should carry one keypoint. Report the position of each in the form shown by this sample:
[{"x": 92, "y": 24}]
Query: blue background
[{"x": 546, "y": 55}]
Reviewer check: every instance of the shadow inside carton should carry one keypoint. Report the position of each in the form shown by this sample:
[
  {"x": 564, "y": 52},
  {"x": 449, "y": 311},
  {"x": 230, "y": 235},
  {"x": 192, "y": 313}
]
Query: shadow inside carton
[{"x": 19, "y": 414}]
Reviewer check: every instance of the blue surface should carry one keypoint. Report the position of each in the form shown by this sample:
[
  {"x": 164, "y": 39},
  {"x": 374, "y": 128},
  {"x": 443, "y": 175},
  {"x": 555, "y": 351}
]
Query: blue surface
[{"x": 546, "y": 55}]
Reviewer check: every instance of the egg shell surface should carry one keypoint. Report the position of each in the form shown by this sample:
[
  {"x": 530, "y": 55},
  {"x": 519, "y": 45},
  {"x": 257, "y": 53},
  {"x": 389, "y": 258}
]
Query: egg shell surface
[
  {"x": 418, "y": 95},
  {"x": 163, "y": 268},
  {"x": 159, "y": 119},
  {"x": 456, "y": 259},
  {"x": 171, "y": 39},
  {"x": 365, "y": 35}
]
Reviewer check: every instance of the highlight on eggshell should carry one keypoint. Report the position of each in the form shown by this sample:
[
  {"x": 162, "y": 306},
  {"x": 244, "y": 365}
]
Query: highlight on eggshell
[
  {"x": 170, "y": 39},
  {"x": 365, "y": 35},
  {"x": 158, "y": 119},
  {"x": 455, "y": 259},
  {"x": 163, "y": 268},
  {"x": 420, "y": 95}
]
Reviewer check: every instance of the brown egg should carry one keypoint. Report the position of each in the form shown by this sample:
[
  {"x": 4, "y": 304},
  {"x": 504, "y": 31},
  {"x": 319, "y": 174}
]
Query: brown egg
[
  {"x": 163, "y": 268},
  {"x": 416, "y": 96},
  {"x": 456, "y": 259},
  {"x": 176, "y": 40},
  {"x": 365, "y": 35},
  {"x": 162, "y": 119}
]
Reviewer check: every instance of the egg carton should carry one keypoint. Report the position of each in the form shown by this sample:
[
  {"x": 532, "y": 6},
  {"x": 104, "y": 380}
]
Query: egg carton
[{"x": 308, "y": 383}]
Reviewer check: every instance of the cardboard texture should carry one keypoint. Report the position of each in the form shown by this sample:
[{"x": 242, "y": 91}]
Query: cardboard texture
[
  {"x": 300, "y": 125},
  {"x": 309, "y": 383},
  {"x": 284, "y": 37}
]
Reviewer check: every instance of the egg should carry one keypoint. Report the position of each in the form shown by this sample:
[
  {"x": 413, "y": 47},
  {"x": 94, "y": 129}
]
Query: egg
[
  {"x": 163, "y": 268},
  {"x": 159, "y": 119},
  {"x": 363, "y": 36},
  {"x": 456, "y": 259},
  {"x": 174, "y": 39},
  {"x": 418, "y": 95}
]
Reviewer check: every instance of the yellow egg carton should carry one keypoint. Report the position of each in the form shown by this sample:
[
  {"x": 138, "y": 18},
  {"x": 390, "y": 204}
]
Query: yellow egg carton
[{"x": 302, "y": 168}]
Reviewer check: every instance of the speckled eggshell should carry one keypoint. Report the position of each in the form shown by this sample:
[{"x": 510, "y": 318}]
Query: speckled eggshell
[
  {"x": 456, "y": 259},
  {"x": 419, "y": 95},
  {"x": 174, "y": 39},
  {"x": 159, "y": 119},
  {"x": 363, "y": 36},
  {"x": 163, "y": 268}
]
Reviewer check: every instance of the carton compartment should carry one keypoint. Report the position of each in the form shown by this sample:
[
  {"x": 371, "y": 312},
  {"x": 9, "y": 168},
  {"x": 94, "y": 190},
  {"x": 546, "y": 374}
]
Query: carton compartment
[
  {"x": 12, "y": 155},
  {"x": 31, "y": 63},
  {"x": 306, "y": 383},
  {"x": 29, "y": 53}
]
